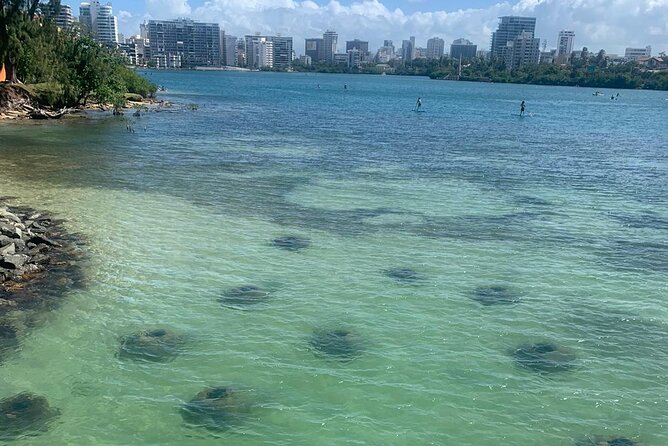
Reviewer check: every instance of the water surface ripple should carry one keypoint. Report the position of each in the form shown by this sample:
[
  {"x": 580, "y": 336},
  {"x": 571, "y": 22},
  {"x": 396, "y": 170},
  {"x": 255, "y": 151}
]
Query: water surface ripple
[{"x": 396, "y": 263}]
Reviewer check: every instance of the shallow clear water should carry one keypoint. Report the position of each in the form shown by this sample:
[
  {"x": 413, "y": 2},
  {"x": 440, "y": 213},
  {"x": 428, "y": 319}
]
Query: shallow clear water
[{"x": 567, "y": 208}]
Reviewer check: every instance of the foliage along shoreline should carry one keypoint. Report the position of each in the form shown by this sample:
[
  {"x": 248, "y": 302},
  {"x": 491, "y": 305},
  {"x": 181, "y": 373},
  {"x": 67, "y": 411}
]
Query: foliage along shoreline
[
  {"x": 61, "y": 69},
  {"x": 589, "y": 71}
]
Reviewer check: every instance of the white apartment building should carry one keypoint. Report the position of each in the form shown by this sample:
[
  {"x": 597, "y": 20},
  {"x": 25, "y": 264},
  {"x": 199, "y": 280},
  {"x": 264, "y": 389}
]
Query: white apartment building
[
  {"x": 100, "y": 21},
  {"x": 637, "y": 53},
  {"x": 565, "y": 46}
]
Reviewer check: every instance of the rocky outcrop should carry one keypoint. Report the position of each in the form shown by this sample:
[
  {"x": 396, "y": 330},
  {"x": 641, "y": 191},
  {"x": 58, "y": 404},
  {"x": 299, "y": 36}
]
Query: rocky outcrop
[
  {"x": 39, "y": 262},
  {"x": 24, "y": 245}
]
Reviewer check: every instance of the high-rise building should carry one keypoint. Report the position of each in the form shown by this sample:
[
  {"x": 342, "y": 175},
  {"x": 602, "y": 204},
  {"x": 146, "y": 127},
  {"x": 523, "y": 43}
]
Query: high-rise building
[
  {"x": 510, "y": 28},
  {"x": 564, "y": 46},
  {"x": 362, "y": 56},
  {"x": 408, "y": 50},
  {"x": 341, "y": 59},
  {"x": 99, "y": 21},
  {"x": 523, "y": 50},
  {"x": 86, "y": 17},
  {"x": 282, "y": 57},
  {"x": 143, "y": 30},
  {"x": 142, "y": 49},
  {"x": 548, "y": 57},
  {"x": 463, "y": 49},
  {"x": 361, "y": 45},
  {"x": 184, "y": 43},
  {"x": 242, "y": 61},
  {"x": 355, "y": 58},
  {"x": 107, "y": 25},
  {"x": 62, "y": 15},
  {"x": 637, "y": 53},
  {"x": 329, "y": 41},
  {"x": 483, "y": 54},
  {"x": 130, "y": 51},
  {"x": 263, "y": 53},
  {"x": 435, "y": 48},
  {"x": 229, "y": 49},
  {"x": 268, "y": 51},
  {"x": 385, "y": 53},
  {"x": 315, "y": 49}
]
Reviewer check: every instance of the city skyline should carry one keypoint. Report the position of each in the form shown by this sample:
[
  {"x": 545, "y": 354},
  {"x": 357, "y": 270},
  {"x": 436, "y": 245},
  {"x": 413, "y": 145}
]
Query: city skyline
[{"x": 610, "y": 27}]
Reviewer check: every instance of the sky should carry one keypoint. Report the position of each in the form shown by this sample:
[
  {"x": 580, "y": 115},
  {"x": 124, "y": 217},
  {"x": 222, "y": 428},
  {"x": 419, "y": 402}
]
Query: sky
[{"x": 599, "y": 24}]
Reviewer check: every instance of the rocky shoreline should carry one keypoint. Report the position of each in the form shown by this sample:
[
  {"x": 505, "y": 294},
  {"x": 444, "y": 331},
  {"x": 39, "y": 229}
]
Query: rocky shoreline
[
  {"x": 39, "y": 263},
  {"x": 17, "y": 103}
]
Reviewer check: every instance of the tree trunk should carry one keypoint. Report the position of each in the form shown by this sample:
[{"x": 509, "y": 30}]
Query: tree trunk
[{"x": 10, "y": 70}]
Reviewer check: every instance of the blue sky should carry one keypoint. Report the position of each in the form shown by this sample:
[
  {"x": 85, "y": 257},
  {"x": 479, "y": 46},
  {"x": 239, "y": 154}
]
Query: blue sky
[{"x": 598, "y": 24}]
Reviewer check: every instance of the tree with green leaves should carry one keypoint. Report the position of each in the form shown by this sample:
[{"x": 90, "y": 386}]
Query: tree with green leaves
[
  {"x": 16, "y": 22},
  {"x": 64, "y": 67}
]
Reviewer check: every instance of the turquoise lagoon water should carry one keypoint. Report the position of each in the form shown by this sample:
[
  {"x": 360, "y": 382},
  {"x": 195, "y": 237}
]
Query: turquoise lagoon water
[{"x": 567, "y": 208}]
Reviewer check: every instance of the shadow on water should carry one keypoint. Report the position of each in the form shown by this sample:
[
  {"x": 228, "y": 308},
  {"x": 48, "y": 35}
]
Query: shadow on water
[
  {"x": 291, "y": 243},
  {"x": 607, "y": 441},
  {"x": 638, "y": 256},
  {"x": 404, "y": 275},
  {"x": 495, "y": 295},
  {"x": 528, "y": 200},
  {"x": 154, "y": 345},
  {"x": 234, "y": 182},
  {"x": 218, "y": 409},
  {"x": 245, "y": 297},
  {"x": 256, "y": 184},
  {"x": 644, "y": 220},
  {"x": 25, "y": 414},
  {"x": 544, "y": 357},
  {"x": 516, "y": 226},
  {"x": 338, "y": 344},
  {"x": 620, "y": 334}
]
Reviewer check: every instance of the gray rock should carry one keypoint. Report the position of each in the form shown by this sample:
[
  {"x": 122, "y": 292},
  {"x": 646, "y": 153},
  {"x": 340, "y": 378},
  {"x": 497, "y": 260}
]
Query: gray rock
[
  {"x": 41, "y": 240},
  {"x": 41, "y": 259},
  {"x": 4, "y": 213},
  {"x": 20, "y": 245},
  {"x": 32, "y": 268},
  {"x": 10, "y": 231},
  {"x": 4, "y": 303},
  {"x": 4, "y": 240},
  {"x": 13, "y": 261},
  {"x": 36, "y": 227},
  {"x": 8, "y": 250},
  {"x": 34, "y": 249}
]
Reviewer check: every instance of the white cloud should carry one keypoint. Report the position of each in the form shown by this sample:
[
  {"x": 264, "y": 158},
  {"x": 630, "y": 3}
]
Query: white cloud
[
  {"x": 609, "y": 24},
  {"x": 167, "y": 9}
]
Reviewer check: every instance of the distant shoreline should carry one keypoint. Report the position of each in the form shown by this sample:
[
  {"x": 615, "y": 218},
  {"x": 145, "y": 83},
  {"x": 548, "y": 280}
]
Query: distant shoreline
[{"x": 536, "y": 81}]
